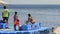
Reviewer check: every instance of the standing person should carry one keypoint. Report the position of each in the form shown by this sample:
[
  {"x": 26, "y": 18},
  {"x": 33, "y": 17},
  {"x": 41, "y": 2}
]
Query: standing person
[
  {"x": 5, "y": 14},
  {"x": 16, "y": 21}
]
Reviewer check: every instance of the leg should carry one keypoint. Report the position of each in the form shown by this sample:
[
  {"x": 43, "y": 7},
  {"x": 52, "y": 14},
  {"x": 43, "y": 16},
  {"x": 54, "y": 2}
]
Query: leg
[
  {"x": 14, "y": 27},
  {"x": 18, "y": 26},
  {"x": 3, "y": 19},
  {"x": 7, "y": 20}
]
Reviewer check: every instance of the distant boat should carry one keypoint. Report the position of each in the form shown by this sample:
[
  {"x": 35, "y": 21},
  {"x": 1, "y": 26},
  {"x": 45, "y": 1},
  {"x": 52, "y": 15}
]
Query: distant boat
[{"x": 3, "y": 3}]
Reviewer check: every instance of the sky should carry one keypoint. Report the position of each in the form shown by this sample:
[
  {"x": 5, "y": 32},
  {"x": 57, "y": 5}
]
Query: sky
[{"x": 32, "y": 1}]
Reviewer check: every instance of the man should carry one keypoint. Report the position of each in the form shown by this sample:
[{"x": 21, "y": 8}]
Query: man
[
  {"x": 5, "y": 14},
  {"x": 30, "y": 19}
]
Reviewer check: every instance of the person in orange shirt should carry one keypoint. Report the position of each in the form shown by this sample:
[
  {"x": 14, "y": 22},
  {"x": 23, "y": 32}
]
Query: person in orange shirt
[{"x": 16, "y": 21}]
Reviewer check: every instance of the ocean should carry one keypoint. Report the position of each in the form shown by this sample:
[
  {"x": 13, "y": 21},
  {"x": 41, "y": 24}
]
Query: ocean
[{"x": 47, "y": 15}]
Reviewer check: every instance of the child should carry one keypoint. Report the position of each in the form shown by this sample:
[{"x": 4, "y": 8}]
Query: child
[{"x": 16, "y": 21}]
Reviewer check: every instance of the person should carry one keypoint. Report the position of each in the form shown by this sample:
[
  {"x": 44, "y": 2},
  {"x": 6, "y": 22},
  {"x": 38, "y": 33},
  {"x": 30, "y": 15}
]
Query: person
[
  {"x": 30, "y": 19},
  {"x": 16, "y": 21},
  {"x": 30, "y": 22},
  {"x": 5, "y": 14}
]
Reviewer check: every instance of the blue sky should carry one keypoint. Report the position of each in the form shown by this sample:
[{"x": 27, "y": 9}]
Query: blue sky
[{"x": 32, "y": 1}]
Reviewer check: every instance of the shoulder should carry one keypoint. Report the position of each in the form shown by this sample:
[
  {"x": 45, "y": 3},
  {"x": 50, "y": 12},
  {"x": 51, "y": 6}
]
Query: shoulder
[
  {"x": 6, "y": 10},
  {"x": 29, "y": 17},
  {"x": 15, "y": 16}
]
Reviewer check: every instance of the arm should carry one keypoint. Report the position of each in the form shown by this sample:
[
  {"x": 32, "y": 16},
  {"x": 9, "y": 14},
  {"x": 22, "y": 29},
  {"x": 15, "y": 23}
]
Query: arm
[
  {"x": 29, "y": 18},
  {"x": 2, "y": 14},
  {"x": 8, "y": 15}
]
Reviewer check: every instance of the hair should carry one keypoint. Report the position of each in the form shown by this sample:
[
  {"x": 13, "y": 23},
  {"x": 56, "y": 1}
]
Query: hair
[
  {"x": 15, "y": 12},
  {"x": 29, "y": 14},
  {"x": 4, "y": 7}
]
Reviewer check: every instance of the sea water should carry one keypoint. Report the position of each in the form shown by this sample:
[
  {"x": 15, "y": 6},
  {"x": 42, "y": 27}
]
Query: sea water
[{"x": 48, "y": 16}]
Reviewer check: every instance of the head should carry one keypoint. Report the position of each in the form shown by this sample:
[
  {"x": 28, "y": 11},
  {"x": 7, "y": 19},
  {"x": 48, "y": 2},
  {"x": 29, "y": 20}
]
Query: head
[
  {"x": 29, "y": 15},
  {"x": 4, "y": 7},
  {"x": 15, "y": 13}
]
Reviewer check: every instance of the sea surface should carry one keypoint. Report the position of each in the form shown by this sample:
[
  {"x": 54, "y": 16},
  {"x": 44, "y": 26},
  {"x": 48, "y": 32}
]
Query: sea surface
[{"x": 47, "y": 15}]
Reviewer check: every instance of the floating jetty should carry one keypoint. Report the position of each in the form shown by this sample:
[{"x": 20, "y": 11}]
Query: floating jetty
[
  {"x": 42, "y": 30},
  {"x": 36, "y": 29}
]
